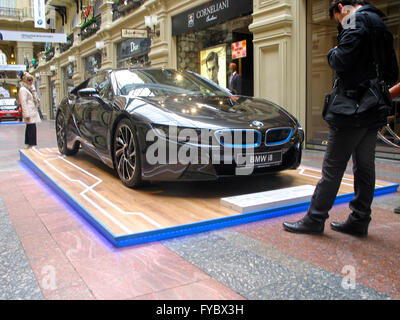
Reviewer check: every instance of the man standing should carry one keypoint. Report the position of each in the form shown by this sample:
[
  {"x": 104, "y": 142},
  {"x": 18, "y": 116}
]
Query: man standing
[
  {"x": 395, "y": 92},
  {"x": 351, "y": 135},
  {"x": 235, "y": 80}
]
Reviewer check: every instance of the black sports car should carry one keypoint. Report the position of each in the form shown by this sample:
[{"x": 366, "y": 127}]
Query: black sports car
[{"x": 161, "y": 124}]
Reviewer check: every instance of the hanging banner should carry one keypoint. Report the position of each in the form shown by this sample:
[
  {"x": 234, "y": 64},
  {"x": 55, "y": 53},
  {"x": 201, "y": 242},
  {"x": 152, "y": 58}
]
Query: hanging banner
[
  {"x": 12, "y": 67},
  {"x": 39, "y": 13},
  {"x": 32, "y": 36}
]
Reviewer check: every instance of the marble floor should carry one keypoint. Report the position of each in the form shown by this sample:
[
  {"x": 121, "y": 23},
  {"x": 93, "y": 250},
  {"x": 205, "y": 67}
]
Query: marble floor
[{"x": 48, "y": 251}]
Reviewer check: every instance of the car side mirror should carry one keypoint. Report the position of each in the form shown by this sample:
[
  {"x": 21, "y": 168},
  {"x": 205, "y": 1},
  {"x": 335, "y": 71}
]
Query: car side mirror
[{"x": 87, "y": 92}]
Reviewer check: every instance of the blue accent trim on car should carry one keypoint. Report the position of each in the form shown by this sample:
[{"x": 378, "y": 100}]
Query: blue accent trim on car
[
  {"x": 254, "y": 145},
  {"x": 278, "y": 142}
]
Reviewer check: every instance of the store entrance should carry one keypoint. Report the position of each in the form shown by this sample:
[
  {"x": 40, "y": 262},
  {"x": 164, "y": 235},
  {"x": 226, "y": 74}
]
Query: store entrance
[
  {"x": 246, "y": 64},
  {"x": 196, "y": 49}
]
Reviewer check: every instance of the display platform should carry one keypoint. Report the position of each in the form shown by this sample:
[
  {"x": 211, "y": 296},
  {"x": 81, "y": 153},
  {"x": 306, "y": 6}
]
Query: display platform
[{"x": 165, "y": 210}]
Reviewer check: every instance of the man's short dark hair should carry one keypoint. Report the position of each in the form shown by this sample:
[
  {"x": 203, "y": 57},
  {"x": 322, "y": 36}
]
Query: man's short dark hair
[
  {"x": 212, "y": 56},
  {"x": 335, "y": 5}
]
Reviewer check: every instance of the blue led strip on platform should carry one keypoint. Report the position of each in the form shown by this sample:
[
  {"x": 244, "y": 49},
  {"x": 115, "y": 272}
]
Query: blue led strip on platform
[
  {"x": 98, "y": 225},
  {"x": 11, "y": 123},
  {"x": 186, "y": 229}
]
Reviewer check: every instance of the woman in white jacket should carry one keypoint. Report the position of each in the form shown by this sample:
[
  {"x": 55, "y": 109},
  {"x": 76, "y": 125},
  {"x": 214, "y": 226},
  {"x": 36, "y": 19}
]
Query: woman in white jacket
[{"x": 29, "y": 102}]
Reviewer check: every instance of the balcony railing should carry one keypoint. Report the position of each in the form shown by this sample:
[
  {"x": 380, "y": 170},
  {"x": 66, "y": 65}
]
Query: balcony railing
[
  {"x": 49, "y": 54},
  {"x": 16, "y": 13},
  {"x": 121, "y": 8},
  {"x": 70, "y": 42},
  {"x": 90, "y": 27}
]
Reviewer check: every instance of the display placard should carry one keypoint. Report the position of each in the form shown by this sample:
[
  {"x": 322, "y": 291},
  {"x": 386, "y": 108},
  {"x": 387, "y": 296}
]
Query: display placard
[
  {"x": 239, "y": 49},
  {"x": 268, "y": 199}
]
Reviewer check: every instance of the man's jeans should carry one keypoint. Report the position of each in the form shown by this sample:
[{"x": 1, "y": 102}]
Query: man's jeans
[{"x": 359, "y": 143}]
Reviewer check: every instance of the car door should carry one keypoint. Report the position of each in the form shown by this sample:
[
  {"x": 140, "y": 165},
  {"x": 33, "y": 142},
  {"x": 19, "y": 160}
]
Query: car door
[
  {"x": 82, "y": 115},
  {"x": 102, "y": 113},
  {"x": 99, "y": 111}
]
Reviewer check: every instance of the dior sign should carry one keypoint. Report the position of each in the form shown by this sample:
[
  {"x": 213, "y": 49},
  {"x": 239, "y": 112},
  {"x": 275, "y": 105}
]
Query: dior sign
[{"x": 209, "y": 14}]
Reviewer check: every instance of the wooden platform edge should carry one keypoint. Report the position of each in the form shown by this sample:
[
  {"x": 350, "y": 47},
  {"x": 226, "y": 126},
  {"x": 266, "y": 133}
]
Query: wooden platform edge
[
  {"x": 79, "y": 208},
  {"x": 185, "y": 229}
]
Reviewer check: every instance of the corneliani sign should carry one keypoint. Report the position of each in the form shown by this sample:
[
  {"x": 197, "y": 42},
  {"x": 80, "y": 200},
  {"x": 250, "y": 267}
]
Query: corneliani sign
[{"x": 209, "y": 14}]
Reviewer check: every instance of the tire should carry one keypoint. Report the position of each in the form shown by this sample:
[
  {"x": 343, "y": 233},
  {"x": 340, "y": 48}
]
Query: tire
[
  {"x": 127, "y": 161},
  {"x": 61, "y": 133}
]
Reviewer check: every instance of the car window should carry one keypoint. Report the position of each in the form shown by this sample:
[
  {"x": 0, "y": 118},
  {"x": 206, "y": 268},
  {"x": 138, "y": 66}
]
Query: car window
[{"x": 164, "y": 82}]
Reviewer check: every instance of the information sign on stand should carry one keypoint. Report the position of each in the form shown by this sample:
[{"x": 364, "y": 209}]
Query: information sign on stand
[{"x": 268, "y": 199}]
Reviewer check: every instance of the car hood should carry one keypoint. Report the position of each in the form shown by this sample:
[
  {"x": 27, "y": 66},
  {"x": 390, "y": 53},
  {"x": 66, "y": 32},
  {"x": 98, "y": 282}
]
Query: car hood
[{"x": 212, "y": 112}]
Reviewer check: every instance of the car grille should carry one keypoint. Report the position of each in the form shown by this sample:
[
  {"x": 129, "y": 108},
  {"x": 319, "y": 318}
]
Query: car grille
[
  {"x": 278, "y": 136},
  {"x": 239, "y": 138}
]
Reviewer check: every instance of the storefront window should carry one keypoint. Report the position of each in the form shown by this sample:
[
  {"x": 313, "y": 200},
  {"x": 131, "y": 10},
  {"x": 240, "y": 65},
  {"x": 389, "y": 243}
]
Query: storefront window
[
  {"x": 133, "y": 53},
  {"x": 321, "y": 37},
  {"x": 209, "y": 52}
]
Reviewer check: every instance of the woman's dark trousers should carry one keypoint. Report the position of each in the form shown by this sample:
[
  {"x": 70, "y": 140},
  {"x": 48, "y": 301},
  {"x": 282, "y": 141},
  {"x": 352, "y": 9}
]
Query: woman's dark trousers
[{"x": 30, "y": 134}]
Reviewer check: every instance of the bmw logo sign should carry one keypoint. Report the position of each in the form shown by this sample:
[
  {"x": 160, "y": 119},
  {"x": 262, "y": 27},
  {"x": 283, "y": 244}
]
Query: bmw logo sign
[
  {"x": 257, "y": 123},
  {"x": 39, "y": 22}
]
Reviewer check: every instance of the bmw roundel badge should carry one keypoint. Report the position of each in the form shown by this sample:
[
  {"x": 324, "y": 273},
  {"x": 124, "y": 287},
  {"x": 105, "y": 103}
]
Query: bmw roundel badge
[{"x": 257, "y": 123}]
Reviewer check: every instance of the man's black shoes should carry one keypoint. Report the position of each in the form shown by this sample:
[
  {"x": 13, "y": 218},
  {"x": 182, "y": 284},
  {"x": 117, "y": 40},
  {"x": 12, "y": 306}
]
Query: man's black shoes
[
  {"x": 354, "y": 227},
  {"x": 305, "y": 226}
]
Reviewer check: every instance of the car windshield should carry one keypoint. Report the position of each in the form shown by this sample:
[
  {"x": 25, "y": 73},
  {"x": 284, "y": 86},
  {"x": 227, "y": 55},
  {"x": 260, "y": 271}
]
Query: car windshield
[{"x": 165, "y": 82}]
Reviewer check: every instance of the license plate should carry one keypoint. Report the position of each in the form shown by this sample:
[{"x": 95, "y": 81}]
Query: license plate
[
  {"x": 264, "y": 159},
  {"x": 9, "y": 115}
]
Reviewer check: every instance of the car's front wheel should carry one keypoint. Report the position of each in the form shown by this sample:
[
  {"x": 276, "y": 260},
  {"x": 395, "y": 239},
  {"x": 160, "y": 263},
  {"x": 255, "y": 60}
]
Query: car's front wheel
[
  {"x": 126, "y": 154},
  {"x": 61, "y": 133}
]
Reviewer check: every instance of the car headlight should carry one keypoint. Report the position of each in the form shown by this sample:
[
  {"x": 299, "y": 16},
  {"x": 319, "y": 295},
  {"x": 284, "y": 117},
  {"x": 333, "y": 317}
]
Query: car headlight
[{"x": 300, "y": 132}]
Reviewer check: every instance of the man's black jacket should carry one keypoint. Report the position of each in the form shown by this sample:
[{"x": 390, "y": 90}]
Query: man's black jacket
[{"x": 353, "y": 58}]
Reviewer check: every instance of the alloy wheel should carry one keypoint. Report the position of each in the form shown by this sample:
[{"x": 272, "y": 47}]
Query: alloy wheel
[
  {"x": 60, "y": 132},
  {"x": 125, "y": 152}
]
